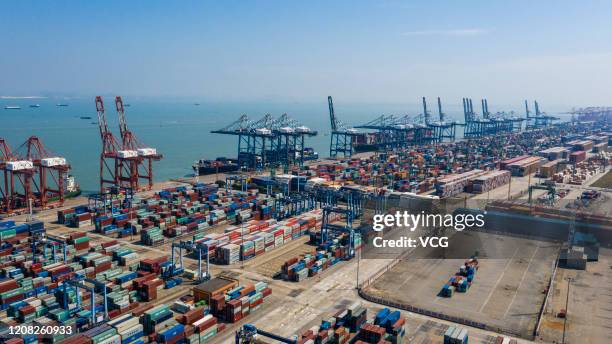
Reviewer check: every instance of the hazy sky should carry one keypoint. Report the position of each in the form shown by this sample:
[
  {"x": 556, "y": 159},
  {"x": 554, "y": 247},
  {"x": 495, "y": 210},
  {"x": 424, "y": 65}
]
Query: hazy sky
[{"x": 376, "y": 51}]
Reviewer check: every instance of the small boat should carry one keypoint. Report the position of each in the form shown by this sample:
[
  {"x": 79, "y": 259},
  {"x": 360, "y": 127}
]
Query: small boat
[
  {"x": 12, "y": 107},
  {"x": 85, "y": 117},
  {"x": 127, "y": 105},
  {"x": 197, "y": 104},
  {"x": 34, "y": 105},
  {"x": 62, "y": 104}
]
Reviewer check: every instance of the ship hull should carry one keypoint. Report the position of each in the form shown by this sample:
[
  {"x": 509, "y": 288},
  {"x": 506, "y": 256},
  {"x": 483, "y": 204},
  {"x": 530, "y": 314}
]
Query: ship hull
[
  {"x": 207, "y": 170},
  {"x": 364, "y": 147}
]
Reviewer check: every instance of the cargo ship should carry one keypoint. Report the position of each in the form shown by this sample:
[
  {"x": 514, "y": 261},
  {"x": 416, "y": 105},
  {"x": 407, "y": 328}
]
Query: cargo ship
[
  {"x": 310, "y": 154},
  {"x": 364, "y": 147},
  {"x": 365, "y": 142},
  {"x": 219, "y": 165}
]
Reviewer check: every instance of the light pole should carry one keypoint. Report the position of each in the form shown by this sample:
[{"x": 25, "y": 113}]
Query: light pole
[
  {"x": 29, "y": 209},
  {"x": 358, "y": 259},
  {"x": 242, "y": 242},
  {"x": 130, "y": 212},
  {"x": 569, "y": 280}
]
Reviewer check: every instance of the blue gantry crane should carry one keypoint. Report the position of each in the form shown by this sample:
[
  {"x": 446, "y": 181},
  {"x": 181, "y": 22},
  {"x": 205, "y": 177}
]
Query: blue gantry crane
[
  {"x": 442, "y": 129},
  {"x": 474, "y": 126},
  {"x": 327, "y": 226},
  {"x": 177, "y": 266},
  {"x": 500, "y": 122},
  {"x": 76, "y": 284},
  {"x": 488, "y": 124},
  {"x": 231, "y": 179},
  {"x": 268, "y": 142},
  {"x": 103, "y": 203},
  {"x": 401, "y": 131},
  {"x": 291, "y": 135},
  {"x": 540, "y": 119},
  {"x": 342, "y": 136},
  {"x": 293, "y": 204},
  {"x": 49, "y": 243},
  {"x": 395, "y": 132}
]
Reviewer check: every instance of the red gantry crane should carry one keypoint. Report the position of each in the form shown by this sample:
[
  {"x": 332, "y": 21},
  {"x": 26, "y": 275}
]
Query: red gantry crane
[
  {"x": 141, "y": 156},
  {"x": 5, "y": 153},
  {"x": 52, "y": 171},
  {"x": 16, "y": 190},
  {"x": 112, "y": 165}
]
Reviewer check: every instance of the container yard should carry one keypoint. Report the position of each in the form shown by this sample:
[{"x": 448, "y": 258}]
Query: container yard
[
  {"x": 199, "y": 262},
  {"x": 351, "y": 324},
  {"x": 305, "y": 173},
  {"x": 115, "y": 250},
  {"x": 211, "y": 262},
  {"x": 68, "y": 280}
]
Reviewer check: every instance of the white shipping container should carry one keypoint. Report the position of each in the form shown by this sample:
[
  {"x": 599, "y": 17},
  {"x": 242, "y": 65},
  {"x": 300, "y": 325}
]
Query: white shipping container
[
  {"x": 51, "y": 162},
  {"x": 263, "y": 131},
  {"x": 147, "y": 151},
  {"x": 278, "y": 241},
  {"x": 203, "y": 320},
  {"x": 180, "y": 307},
  {"x": 127, "y": 333},
  {"x": 116, "y": 339},
  {"x": 19, "y": 165},
  {"x": 35, "y": 302},
  {"x": 125, "y": 154}
]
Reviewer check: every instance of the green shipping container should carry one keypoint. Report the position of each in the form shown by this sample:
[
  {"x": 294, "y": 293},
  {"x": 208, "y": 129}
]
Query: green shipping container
[
  {"x": 81, "y": 240},
  {"x": 7, "y": 234}
]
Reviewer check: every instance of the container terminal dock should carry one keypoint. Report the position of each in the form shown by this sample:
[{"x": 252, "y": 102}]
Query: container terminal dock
[{"x": 282, "y": 252}]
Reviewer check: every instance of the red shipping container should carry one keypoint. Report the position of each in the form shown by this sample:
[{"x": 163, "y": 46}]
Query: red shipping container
[
  {"x": 138, "y": 311},
  {"x": 247, "y": 288},
  {"x": 13, "y": 341},
  {"x": 12, "y": 299},
  {"x": 103, "y": 267},
  {"x": 8, "y": 285},
  {"x": 27, "y": 309},
  {"x": 114, "y": 313},
  {"x": 76, "y": 235},
  {"x": 81, "y": 246},
  {"x": 205, "y": 325}
]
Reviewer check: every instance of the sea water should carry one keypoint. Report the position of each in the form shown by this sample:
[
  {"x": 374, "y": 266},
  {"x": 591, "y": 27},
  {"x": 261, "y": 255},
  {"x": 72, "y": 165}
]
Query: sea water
[{"x": 179, "y": 129}]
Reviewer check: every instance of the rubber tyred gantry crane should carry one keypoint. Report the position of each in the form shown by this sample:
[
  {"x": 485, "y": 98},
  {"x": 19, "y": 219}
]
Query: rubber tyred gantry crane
[{"x": 141, "y": 156}]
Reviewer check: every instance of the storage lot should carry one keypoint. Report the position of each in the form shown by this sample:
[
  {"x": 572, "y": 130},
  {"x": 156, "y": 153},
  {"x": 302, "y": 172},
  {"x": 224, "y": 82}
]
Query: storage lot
[
  {"x": 589, "y": 307},
  {"x": 506, "y": 294}
]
